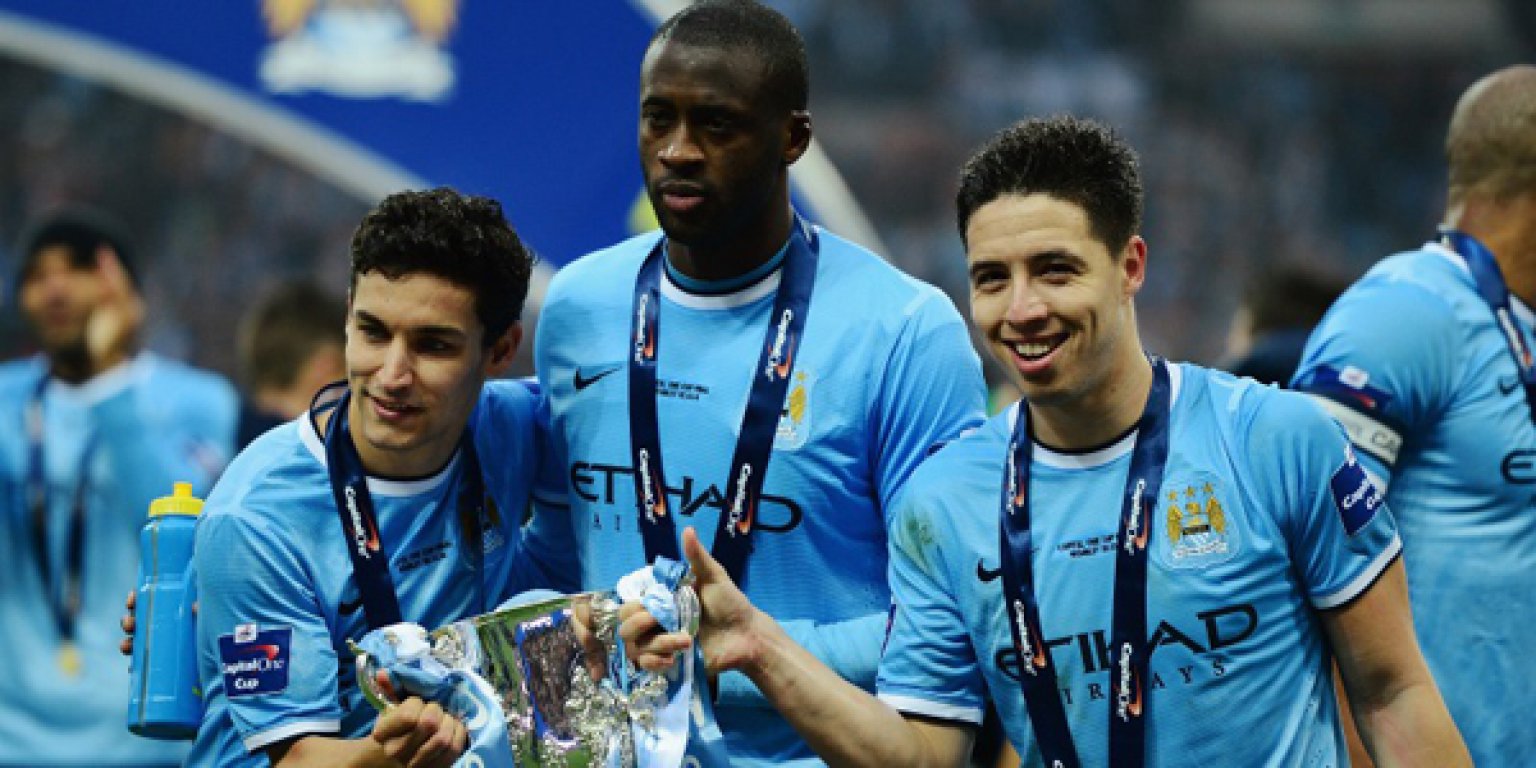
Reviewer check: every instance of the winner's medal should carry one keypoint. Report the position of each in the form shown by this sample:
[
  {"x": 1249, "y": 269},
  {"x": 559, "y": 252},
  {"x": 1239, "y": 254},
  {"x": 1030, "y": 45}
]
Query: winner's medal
[{"x": 68, "y": 658}]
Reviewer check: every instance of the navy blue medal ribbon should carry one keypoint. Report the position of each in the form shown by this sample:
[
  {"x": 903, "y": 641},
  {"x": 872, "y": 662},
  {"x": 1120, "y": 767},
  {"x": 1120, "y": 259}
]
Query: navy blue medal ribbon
[
  {"x": 64, "y": 598},
  {"x": 1129, "y": 651},
  {"x": 765, "y": 402},
  {"x": 1491, "y": 286},
  {"x": 360, "y": 524}
]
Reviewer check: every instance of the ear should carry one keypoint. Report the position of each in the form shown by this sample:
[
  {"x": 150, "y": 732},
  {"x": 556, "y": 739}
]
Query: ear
[
  {"x": 1133, "y": 265},
  {"x": 797, "y": 139},
  {"x": 503, "y": 350}
]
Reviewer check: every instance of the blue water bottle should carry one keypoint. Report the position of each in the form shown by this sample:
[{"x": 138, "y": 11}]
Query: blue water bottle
[{"x": 166, "y": 702}]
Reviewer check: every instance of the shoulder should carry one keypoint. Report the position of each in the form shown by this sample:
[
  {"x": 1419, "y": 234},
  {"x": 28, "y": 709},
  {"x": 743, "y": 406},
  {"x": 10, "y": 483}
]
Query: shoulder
[
  {"x": 277, "y": 476},
  {"x": 952, "y": 496},
  {"x": 592, "y": 274},
  {"x": 18, "y": 377},
  {"x": 204, "y": 388},
  {"x": 1239, "y": 404},
  {"x": 884, "y": 289},
  {"x": 507, "y": 406},
  {"x": 1280, "y": 437},
  {"x": 971, "y": 460},
  {"x": 1428, "y": 279}
]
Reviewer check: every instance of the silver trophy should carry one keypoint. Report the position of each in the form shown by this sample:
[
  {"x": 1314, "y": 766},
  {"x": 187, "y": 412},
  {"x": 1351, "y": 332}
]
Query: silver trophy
[{"x": 566, "y": 698}]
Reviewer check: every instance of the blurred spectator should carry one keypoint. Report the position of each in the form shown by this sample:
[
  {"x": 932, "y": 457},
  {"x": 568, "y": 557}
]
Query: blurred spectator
[
  {"x": 91, "y": 430},
  {"x": 290, "y": 344},
  {"x": 1281, "y": 306}
]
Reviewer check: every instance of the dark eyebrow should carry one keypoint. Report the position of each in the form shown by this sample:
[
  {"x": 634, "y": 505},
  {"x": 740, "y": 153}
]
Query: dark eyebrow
[
  {"x": 1056, "y": 253},
  {"x": 981, "y": 266},
  {"x": 364, "y": 317},
  {"x": 445, "y": 332}
]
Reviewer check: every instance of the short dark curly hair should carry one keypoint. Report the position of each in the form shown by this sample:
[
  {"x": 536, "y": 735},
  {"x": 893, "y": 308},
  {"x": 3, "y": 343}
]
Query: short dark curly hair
[
  {"x": 464, "y": 239},
  {"x": 760, "y": 31},
  {"x": 1072, "y": 159}
]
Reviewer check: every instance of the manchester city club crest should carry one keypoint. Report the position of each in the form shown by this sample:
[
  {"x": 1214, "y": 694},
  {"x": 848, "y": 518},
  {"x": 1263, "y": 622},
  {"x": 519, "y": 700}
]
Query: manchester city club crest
[
  {"x": 1200, "y": 531},
  {"x": 360, "y": 48},
  {"x": 795, "y": 419}
]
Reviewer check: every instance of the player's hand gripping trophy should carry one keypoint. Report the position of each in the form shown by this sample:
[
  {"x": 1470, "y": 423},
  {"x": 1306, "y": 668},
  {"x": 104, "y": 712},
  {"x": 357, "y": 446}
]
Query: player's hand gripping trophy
[{"x": 543, "y": 680}]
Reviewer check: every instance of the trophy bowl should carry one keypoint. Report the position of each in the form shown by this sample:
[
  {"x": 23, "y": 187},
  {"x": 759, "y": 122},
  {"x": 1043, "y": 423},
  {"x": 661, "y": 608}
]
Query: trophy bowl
[{"x": 555, "y": 672}]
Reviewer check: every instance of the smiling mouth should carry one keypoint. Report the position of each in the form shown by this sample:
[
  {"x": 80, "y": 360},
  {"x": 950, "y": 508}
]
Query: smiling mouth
[
  {"x": 1032, "y": 351},
  {"x": 392, "y": 411}
]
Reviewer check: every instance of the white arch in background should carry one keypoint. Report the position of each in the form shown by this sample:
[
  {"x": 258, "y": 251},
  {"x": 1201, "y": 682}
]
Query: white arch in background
[{"x": 316, "y": 149}]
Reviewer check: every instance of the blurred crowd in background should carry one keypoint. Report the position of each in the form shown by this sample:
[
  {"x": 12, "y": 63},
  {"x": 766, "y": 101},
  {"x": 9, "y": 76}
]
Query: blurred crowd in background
[{"x": 1262, "y": 146}]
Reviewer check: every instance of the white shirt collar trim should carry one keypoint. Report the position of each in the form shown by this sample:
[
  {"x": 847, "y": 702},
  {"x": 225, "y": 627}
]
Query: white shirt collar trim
[
  {"x": 1050, "y": 457},
  {"x": 677, "y": 295},
  {"x": 102, "y": 386}
]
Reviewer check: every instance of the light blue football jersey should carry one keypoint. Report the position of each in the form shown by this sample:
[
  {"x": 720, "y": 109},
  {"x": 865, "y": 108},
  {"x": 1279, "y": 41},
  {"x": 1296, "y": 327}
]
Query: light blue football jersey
[
  {"x": 1412, "y": 364},
  {"x": 154, "y": 422},
  {"x": 884, "y": 374},
  {"x": 1263, "y": 518},
  {"x": 278, "y": 601}
]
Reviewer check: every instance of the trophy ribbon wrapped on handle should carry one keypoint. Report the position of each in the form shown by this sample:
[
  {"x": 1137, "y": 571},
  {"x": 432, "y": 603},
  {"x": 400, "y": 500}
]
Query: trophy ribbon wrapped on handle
[{"x": 543, "y": 681}]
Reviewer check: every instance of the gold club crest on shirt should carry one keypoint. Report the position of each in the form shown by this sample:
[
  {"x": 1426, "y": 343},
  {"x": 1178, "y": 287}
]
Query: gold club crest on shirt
[
  {"x": 1199, "y": 524},
  {"x": 795, "y": 419}
]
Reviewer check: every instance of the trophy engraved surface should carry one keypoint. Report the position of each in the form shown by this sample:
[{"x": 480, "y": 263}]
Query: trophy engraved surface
[{"x": 566, "y": 698}]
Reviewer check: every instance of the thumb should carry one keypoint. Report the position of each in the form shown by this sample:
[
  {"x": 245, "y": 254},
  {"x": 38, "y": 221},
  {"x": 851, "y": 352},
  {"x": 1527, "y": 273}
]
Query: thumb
[{"x": 706, "y": 570}]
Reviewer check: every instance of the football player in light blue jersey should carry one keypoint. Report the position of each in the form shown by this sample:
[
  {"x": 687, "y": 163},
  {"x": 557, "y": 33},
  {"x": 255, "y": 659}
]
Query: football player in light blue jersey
[
  {"x": 399, "y": 496},
  {"x": 746, "y": 372},
  {"x": 1426, "y": 362},
  {"x": 91, "y": 431},
  {"x": 1143, "y": 563}
]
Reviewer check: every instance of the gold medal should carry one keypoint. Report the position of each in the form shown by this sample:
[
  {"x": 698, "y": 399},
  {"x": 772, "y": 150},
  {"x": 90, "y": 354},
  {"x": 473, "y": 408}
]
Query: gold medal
[{"x": 69, "y": 659}]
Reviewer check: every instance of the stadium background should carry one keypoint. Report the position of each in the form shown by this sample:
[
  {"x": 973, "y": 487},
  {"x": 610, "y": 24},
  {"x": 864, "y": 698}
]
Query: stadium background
[{"x": 1298, "y": 131}]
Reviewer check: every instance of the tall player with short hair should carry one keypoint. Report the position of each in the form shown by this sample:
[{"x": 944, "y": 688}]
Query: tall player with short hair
[
  {"x": 1142, "y": 563},
  {"x": 92, "y": 430},
  {"x": 1427, "y": 363},
  {"x": 745, "y": 371},
  {"x": 399, "y": 496}
]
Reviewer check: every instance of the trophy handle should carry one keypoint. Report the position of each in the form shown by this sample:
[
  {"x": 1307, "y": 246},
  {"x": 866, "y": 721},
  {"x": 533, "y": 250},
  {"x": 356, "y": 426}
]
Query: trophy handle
[{"x": 367, "y": 680}]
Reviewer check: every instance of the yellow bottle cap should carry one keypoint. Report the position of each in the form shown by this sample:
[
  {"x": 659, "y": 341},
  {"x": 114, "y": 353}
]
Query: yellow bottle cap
[{"x": 180, "y": 502}]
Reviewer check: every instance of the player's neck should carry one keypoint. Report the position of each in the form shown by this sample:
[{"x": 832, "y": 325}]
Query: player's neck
[
  {"x": 71, "y": 365},
  {"x": 1508, "y": 230},
  {"x": 408, "y": 464},
  {"x": 748, "y": 249},
  {"x": 1108, "y": 410}
]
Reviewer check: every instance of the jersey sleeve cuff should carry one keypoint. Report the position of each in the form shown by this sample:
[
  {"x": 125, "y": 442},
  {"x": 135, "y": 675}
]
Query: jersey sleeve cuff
[
  {"x": 1363, "y": 581},
  {"x": 914, "y": 705},
  {"x": 263, "y": 739}
]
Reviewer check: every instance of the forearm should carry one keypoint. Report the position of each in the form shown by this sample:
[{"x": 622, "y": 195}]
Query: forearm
[
  {"x": 1410, "y": 727},
  {"x": 842, "y": 723},
  {"x": 850, "y": 648},
  {"x": 328, "y": 751}
]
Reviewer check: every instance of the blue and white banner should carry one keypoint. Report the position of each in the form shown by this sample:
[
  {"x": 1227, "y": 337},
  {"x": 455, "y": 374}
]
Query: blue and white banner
[{"x": 533, "y": 103}]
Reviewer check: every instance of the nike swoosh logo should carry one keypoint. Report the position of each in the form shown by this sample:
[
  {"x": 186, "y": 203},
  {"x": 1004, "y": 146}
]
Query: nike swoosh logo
[
  {"x": 1508, "y": 384},
  {"x": 584, "y": 382},
  {"x": 986, "y": 575}
]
